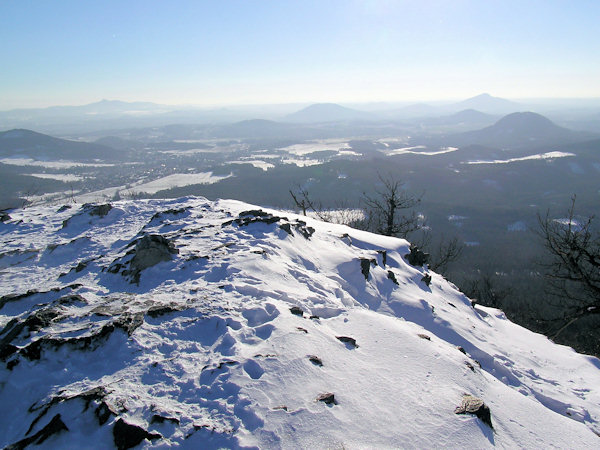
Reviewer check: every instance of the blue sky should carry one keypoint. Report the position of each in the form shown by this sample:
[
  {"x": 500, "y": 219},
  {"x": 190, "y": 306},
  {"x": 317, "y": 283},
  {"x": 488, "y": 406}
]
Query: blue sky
[{"x": 241, "y": 52}]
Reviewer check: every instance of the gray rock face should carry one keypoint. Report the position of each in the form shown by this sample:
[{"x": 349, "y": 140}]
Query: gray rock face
[
  {"x": 150, "y": 250},
  {"x": 473, "y": 405}
]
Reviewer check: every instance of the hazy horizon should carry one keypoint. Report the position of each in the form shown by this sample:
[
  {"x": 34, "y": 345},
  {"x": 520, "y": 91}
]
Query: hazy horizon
[{"x": 249, "y": 53}]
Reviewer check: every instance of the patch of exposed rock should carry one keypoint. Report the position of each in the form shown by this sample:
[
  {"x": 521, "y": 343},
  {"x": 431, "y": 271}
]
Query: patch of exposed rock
[
  {"x": 254, "y": 216},
  {"x": 473, "y": 405},
  {"x": 150, "y": 250}
]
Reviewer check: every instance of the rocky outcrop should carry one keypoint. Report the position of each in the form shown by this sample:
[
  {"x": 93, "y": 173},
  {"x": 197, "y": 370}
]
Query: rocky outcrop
[
  {"x": 255, "y": 216},
  {"x": 148, "y": 251},
  {"x": 417, "y": 257},
  {"x": 473, "y": 405},
  {"x": 126, "y": 435}
]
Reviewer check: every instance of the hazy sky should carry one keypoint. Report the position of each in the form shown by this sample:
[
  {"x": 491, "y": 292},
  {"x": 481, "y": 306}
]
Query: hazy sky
[{"x": 237, "y": 52}]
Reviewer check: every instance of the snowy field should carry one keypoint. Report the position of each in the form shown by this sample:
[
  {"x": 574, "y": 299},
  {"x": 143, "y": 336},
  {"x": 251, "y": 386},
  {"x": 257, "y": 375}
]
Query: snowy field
[
  {"x": 61, "y": 164},
  {"x": 316, "y": 146},
  {"x": 202, "y": 324},
  {"x": 259, "y": 164},
  {"x": 548, "y": 155},
  {"x": 179, "y": 180},
  {"x": 65, "y": 178},
  {"x": 417, "y": 151}
]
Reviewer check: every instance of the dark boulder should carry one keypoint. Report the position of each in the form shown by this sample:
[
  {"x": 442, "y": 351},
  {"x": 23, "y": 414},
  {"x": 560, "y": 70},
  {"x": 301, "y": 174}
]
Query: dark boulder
[
  {"x": 327, "y": 398},
  {"x": 365, "y": 266},
  {"x": 315, "y": 360},
  {"x": 349, "y": 341},
  {"x": 126, "y": 435},
  {"x": 426, "y": 279},
  {"x": 417, "y": 257},
  {"x": 297, "y": 311}
]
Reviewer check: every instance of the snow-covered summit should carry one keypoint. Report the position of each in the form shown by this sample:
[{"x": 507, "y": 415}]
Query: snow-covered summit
[{"x": 218, "y": 324}]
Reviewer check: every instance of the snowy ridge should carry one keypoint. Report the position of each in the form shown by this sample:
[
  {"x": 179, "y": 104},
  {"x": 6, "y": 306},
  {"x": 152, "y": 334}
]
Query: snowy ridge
[{"x": 217, "y": 324}]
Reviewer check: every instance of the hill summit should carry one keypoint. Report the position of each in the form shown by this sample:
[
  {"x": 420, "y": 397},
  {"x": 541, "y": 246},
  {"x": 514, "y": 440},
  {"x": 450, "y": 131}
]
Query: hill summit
[
  {"x": 207, "y": 324},
  {"x": 519, "y": 130},
  {"x": 326, "y": 112},
  {"x": 27, "y": 143}
]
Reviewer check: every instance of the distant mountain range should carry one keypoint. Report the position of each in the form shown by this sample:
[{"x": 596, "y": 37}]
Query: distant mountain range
[
  {"x": 29, "y": 144},
  {"x": 487, "y": 104},
  {"x": 327, "y": 112},
  {"x": 518, "y": 130}
]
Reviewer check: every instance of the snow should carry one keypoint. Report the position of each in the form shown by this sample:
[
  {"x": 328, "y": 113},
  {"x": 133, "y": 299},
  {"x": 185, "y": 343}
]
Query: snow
[
  {"x": 179, "y": 180},
  {"x": 412, "y": 151},
  {"x": 66, "y": 178},
  {"x": 228, "y": 364},
  {"x": 259, "y": 164},
  {"x": 541, "y": 156},
  {"x": 60, "y": 164},
  {"x": 301, "y": 162},
  {"x": 316, "y": 146}
]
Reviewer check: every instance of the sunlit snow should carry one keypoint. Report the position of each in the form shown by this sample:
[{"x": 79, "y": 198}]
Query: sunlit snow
[
  {"x": 231, "y": 340},
  {"x": 548, "y": 155}
]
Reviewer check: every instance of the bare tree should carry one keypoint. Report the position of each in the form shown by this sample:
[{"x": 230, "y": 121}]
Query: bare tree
[
  {"x": 388, "y": 211},
  {"x": 302, "y": 200},
  {"x": 487, "y": 291},
  {"x": 573, "y": 272},
  {"x": 446, "y": 252}
]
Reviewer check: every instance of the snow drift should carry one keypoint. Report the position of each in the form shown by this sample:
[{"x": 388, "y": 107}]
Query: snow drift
[{"x": 218, "y": 324}]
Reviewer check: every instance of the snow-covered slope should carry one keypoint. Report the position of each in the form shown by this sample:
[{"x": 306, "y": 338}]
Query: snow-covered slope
[{"x": 215, "y": 324}]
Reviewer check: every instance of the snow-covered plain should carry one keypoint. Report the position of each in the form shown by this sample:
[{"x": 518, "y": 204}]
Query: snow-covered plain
[
  {"x": 179, "y": 180},
  {"x": 547, "y": 155},
  {"x": 60, "y": 164},
  {"x": 316, "y": 146},
  {"x": 417, "y": 151},
  {"x": 232, "y": 338},
  {"x": 64, "y": 177}
]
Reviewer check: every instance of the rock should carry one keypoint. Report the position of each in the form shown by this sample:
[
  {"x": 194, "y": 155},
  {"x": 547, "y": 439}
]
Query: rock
[
  {"x": 246, "y": 218},
  {"x": 348, "y": 340},
  {"x": 287, "y": 227},
  {"x": 327, "y": 398},
  {"x": 383, "y": 254},
  {"x": 56, "y": 425},
  {"x": 365, "y": 266},
  {"x": 126, "y": 435},
  {"x": 171, "y": 211},
  {"x": 103, "y": 413},
  {"x": 97, "y": 210},
  {"x": 92, "y": 210},
  {"x": 4, "y": 217},
  {"x": 424, "y": 336},
  {"x": 315, "y": 360},
  {"x": 417, "y": 257},
  {"x": 160, "y": 419},
  {"x": 150, "y": 250},
  {"x": 157, "y": 311},
  {"x": 426, "y": 279},
  {"x": 297, "y": 311},
  {"x": 392, "y": 277},
  {"x": 473, "y": 405},
  {"x": 304, "y": 330}
]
